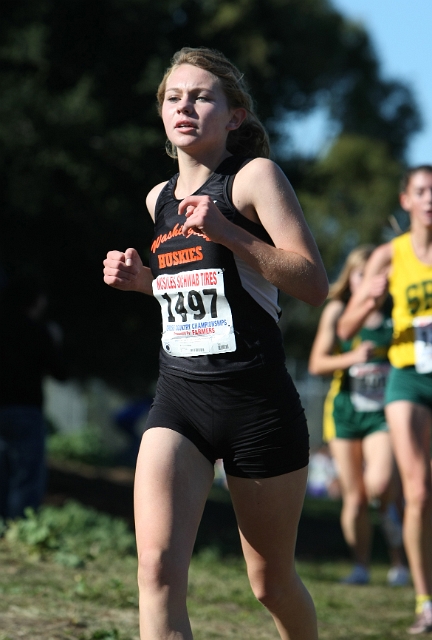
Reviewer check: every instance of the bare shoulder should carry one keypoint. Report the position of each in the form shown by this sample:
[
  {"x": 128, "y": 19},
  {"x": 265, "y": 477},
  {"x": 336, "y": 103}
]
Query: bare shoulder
[
  {"x": 262, "y": 192},
  {"x": 152, "y": 197},
  {"x": 261, "y": 171}
]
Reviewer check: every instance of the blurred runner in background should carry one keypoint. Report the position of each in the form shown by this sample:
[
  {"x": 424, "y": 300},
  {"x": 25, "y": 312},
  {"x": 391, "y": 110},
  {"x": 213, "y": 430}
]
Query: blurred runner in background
[
  {"x": 404, "y": 268},
  {"x": 354, "y": 422}
]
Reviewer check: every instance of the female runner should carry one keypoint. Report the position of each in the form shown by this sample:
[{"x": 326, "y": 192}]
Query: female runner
[
  {"x": 354, "y": 422},
  {"x": 404, "y": 265},
  {"x": 229, "y": 233}
]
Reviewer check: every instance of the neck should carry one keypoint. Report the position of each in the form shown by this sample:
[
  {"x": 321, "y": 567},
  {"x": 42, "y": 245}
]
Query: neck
[
  {"x": 194, "y": 171},
  {"x": 421, "y": 238}
]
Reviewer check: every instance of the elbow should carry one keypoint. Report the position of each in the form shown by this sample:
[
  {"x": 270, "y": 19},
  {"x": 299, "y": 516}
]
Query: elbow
[
  {"x": 318, "y": 293},
  {"x": 318, "y": 301},
  {"x": 315, "y": 369},
  {"x": 343, "y": 332},
  {"x": 312, "y": 369}
]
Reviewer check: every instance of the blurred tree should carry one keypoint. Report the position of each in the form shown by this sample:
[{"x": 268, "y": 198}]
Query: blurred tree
[
  {"x": 81, "y": 142},
  {"x": 349, "y": 197}
]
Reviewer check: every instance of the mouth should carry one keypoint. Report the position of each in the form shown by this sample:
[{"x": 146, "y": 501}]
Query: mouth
[{"x": 185, "y": 125}]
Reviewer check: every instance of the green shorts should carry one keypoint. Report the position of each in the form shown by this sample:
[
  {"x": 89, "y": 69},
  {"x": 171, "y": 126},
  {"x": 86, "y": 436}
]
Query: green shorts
[
  {"x": 407, "y": 384},
  {"x": 341, "y": 420}
]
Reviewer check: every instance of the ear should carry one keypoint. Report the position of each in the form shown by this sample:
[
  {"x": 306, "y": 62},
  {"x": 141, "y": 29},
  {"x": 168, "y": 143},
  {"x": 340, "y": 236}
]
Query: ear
[
  {"x": 238, "y": 116},
  {"x": 404, "y": 200}
]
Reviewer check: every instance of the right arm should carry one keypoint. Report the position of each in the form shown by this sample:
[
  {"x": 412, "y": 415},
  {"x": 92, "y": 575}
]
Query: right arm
[
  {"x": 370, "y": 295},
  {"x": 322, "y": 360},
  {"x": 125, "y": 270}
]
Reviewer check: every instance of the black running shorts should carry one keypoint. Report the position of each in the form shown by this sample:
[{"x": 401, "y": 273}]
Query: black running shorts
[{"x": 255, "y": 421}]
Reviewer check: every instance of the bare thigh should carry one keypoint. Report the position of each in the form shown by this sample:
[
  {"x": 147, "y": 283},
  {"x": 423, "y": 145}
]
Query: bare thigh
[
  {"x": 348, "y": 455},
  {"x": 410, "y": 427},
  {"x": 268, "y": 511},
  {"x": 379, "y": 463},
  {"x": 172, "y": 483}
]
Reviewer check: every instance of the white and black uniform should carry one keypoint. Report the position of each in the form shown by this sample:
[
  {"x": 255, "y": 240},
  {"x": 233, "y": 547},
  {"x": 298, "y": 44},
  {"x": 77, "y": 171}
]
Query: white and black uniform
[{"x": 223, "y": 382}]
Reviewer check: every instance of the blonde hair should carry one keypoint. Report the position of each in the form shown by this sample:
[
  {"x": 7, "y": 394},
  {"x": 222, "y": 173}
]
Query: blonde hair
[
  {"x": 340, "y": 289},
  {"x": 251, "y": 138}
]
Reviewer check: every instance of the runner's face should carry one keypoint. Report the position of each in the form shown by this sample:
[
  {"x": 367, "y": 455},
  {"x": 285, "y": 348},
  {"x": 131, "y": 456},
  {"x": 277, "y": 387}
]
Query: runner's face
[
  {"x": 417, "y": 199},
  {"x": 355, "y": 278},
  {"x": 195, "y": 111}
]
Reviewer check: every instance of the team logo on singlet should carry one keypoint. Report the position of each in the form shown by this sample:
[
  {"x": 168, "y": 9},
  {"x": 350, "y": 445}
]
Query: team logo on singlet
[
  {"x": 419, "y": 296},
  {"x": 181, "y": 256}
]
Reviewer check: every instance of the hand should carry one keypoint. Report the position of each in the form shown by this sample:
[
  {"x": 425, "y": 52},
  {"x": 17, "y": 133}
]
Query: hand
[
  {"x": 123, "y": 270},
  {"x": 378, "y": 286},
  {"x": 203, "y": 218},
  {"x": 364, "y": 351}
]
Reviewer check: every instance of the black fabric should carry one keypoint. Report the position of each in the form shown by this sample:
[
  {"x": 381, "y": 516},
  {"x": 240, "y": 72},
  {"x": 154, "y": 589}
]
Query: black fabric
[
  {"x": 254, "y": 422},
  {"x": 258, "y": 338}
]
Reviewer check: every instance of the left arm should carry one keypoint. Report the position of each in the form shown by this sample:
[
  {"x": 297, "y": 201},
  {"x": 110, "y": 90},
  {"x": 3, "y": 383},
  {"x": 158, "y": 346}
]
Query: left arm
[{"x": 262, "y": 192}]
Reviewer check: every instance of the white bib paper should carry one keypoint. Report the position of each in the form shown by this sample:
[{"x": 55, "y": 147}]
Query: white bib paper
[
  {"x": 196, "y": 316},
  {"x": 367, "y": 384},
  {"x": 423, "y": 343}
]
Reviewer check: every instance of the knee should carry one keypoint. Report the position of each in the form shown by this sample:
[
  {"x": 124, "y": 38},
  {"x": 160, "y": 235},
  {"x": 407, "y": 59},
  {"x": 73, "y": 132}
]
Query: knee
[
  {"x": 377, "y": 488},
  {"x": 271, "y": 595},
  {"x": 355, "y": 502},
  {"x": 270, "y": 589},
  {"x": 157, "y": 570},
  {"x": 418, "y": 497}
]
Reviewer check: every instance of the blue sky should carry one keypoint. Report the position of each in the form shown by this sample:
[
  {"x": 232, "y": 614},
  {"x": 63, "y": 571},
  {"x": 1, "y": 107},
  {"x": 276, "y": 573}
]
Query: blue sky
[{"x": 400, "y": 31}]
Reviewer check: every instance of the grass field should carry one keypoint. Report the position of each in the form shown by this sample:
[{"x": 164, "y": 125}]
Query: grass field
[{"x": 42, "y": 599}]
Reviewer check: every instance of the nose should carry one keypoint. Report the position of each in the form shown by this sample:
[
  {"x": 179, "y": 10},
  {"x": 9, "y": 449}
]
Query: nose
[{"x": 184, "y": 106}]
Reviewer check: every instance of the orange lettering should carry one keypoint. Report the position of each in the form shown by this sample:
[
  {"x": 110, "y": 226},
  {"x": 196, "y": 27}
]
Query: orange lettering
[{"x": 173, "y": 258}]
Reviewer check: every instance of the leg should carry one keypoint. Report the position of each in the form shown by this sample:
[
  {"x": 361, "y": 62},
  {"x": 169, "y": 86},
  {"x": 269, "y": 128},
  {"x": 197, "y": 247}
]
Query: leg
[
  {"x": 380, "y": 478},
  {"x": 268, "y": 511},
  {"x": 378, "y": 472},
  {"x": 28, "y": 484},
  {"x": 23, "y": 459},
  {"x": 410, "y": 426},
  {"x": 354, "y": 517},
  {"x": 172, "y": 482}
]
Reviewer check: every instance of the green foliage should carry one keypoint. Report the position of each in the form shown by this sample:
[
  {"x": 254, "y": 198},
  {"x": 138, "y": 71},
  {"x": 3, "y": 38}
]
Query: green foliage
[
  {"x": 102, "y": 634},
  {"x": 83, "y": 445},
  {"x": 71, "y": 534},
  {"x": 105, "y": 634},
  {"x": 47, "y": 600},
  {"x": 349, "y": 196}
]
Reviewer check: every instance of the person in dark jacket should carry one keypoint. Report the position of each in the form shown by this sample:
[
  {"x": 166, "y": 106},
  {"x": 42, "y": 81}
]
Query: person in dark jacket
[{"x": 30, "y": 349}]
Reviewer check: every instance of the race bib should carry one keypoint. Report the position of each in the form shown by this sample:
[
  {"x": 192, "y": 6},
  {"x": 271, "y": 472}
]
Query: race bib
[
  {"x": 367, "y": 384},
  {"x": 196, "y": 316},
  {"x": 423, "y": 343}
]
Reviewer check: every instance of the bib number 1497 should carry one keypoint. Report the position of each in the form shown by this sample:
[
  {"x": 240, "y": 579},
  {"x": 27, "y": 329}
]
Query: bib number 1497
[
  {"x": 195, "y": 303},
  {"x": 196, "y": 315}
]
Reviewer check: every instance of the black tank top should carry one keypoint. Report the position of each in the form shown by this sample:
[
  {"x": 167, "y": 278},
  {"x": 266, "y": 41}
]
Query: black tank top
[{"x": 258, "y": 340}]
